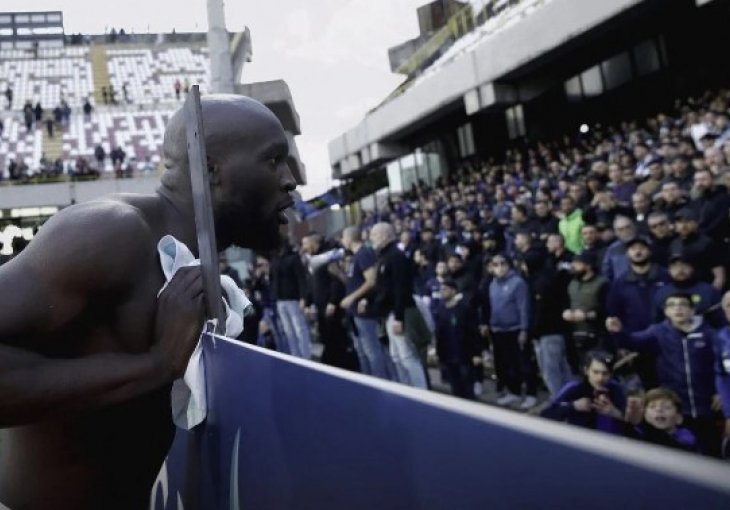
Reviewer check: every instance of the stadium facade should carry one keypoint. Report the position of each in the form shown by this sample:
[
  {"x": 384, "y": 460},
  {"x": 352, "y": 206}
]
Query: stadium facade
[{"x": 504, "y": 73}]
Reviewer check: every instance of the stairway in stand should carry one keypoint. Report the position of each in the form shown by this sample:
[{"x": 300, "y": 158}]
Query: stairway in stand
[
  {"x": 52, "y": 147},
  {"x": 97, "y": 55}
]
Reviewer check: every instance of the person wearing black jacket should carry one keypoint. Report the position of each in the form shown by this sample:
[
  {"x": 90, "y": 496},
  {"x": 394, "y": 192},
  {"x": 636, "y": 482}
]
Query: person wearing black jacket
[
  {"x": 550, "y": 297},
  {"x": 711, "y": 203},
  {"x": 289, "y": 290},
  {"x": 327, "y": 292},
  {"x": 457, "y": 340},
  {"x": 406, "y": 329}
]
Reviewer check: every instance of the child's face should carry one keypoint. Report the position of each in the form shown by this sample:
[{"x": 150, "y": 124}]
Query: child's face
[{"x": 662, "y": 414}]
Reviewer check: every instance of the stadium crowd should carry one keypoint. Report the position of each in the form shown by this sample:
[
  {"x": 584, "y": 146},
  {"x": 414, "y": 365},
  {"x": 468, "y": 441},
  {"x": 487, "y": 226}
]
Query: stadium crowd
[{"x": 594, "y": 266}]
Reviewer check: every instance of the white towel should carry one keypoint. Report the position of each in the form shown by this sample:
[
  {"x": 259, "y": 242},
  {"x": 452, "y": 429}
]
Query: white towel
[{"x": 189, "y": 406}]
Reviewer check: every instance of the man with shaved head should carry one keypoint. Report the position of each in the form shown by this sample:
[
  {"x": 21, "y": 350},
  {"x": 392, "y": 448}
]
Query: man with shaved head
[
  {"x": 88, "y": 352},
  {"x": 360, "y": 285},
  {"x": 406, "y": 329}
]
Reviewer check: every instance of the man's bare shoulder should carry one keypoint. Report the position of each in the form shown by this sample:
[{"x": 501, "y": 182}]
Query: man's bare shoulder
[{"x": 106, "y": 235}]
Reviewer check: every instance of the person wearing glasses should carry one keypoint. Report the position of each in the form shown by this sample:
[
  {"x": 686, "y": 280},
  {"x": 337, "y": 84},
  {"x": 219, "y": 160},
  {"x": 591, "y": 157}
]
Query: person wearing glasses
[{"x": 689, "y": 361}]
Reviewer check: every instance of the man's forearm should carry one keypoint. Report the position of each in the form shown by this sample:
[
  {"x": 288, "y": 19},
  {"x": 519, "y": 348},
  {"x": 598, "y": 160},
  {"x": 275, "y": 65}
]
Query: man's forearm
[
  {"x": 34, "y": 388},
  {"x": 361, "y": 291}
]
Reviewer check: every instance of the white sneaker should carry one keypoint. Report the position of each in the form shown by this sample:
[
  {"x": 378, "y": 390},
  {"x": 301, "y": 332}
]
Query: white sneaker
[
  {"x": 508, "y": 399},
  {"x": 478, "y": 389},
  {"x": 528, "y": 403}
]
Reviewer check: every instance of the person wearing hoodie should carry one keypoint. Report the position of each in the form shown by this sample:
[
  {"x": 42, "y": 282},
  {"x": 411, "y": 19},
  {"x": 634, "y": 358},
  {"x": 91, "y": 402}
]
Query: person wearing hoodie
[
  {"x": 509, "y": 323},
  {"x": 595, "y": 401},
  {"x": 690, "y": 361}
]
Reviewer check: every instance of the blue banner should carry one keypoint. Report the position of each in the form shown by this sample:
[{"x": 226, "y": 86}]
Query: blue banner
[{"x": 284, "y": 433}]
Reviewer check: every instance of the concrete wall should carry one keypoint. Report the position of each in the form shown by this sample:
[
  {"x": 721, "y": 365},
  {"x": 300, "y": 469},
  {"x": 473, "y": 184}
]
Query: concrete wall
[
  {"x": 65, "y": 193},
  {"x": 551, "y": 25}
]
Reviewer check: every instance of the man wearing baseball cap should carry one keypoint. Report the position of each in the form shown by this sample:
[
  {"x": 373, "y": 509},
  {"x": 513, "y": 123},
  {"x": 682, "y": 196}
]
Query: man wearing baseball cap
[
  {"x": 705, "y": 298},
  {"x": 705, "y": 255}
]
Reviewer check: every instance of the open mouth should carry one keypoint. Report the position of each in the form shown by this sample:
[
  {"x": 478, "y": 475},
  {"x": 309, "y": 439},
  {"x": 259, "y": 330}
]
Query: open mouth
[{"x": 281, "y": 213}]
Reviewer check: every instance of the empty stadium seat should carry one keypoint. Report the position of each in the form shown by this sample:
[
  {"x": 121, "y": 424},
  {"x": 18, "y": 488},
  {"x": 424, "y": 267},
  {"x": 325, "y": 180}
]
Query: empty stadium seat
[
  {"x": 56, "y": 73},
  {"x": 150, "y": 74}
]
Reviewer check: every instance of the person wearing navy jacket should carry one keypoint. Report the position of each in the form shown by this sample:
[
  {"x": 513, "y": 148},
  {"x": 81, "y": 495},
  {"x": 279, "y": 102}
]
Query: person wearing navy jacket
[
  {"x": 595, "y": 401},
  {"x": 631, "y": 298},
  {"x": 689, "y": 361},
  {"x": 457, "y": 340},
  {"x": 724, "y": 339}
]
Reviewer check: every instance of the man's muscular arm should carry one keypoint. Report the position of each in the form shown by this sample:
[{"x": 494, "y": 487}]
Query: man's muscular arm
[{"x": 80, "y": 255}]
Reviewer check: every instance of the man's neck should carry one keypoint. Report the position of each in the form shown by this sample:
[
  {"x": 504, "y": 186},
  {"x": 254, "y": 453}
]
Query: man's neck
[
  {"x": 178, "y": 218},
  {"x": 640, "y": 269},
  {"x": 355, "y": 246},
  {"x": 685, "y": 326}
]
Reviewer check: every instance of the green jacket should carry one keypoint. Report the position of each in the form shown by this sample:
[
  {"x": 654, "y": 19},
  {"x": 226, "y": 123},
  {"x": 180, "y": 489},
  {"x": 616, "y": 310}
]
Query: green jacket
[{"x": 570, "y": 228}]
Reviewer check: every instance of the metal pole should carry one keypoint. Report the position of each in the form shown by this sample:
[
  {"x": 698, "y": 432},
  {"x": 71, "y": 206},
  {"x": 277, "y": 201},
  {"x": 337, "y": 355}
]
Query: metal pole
[{"x": 207, "y": 248}]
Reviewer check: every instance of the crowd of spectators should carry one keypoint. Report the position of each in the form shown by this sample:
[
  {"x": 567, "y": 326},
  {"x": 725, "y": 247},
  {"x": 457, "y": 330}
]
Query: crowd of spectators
[{"x": 593, "y": 266}]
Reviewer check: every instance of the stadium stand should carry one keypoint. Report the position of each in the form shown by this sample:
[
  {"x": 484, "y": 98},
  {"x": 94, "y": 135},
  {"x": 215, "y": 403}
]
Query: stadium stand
[
  {"x": 19, "y": 145},
  {"x": 57, "y": 73},
  {"x": 139, "y": 134},
  {"x": 150, "y": 73}
]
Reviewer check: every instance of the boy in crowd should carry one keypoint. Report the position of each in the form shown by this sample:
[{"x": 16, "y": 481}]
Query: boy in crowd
[
  {"x": 660, "y": 420},
  {"x": 457, "y": 340},
  {"x": 595, "y": 401}
]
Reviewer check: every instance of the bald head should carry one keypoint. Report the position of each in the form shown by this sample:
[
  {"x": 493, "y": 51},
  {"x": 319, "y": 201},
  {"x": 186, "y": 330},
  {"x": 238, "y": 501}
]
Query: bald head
[
  {"x": 250, "y": 180},
  {"x": 381, "y": 235},
  {"x": 228, "y": 120}
]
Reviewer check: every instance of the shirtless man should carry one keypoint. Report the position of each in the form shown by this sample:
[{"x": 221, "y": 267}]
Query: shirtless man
[{"x": 87, "y": 351}]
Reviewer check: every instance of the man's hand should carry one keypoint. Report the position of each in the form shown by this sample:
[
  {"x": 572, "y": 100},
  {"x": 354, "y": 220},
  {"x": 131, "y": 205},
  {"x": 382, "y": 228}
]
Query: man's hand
[
  {"x": 346, "y": 303},
  {"x": 613, "y": 325},
  {"x": 522, "y": 339},
  {"x": 634, "y": 410},
  {"x": 484, "y": 330},
  {"x": 579, "y": 315},
  {"x": 584, "y": 405},
  {"x": 330, "y": 310},
  {"x": 362, "y": 306},
  {"x": 397, "y": 327},
  {"x": 603, "y": 405},
  {"x": 303, "y": 304},
  {"x": 179, "y": 320},
  {"x": 716, "y": 403}
]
